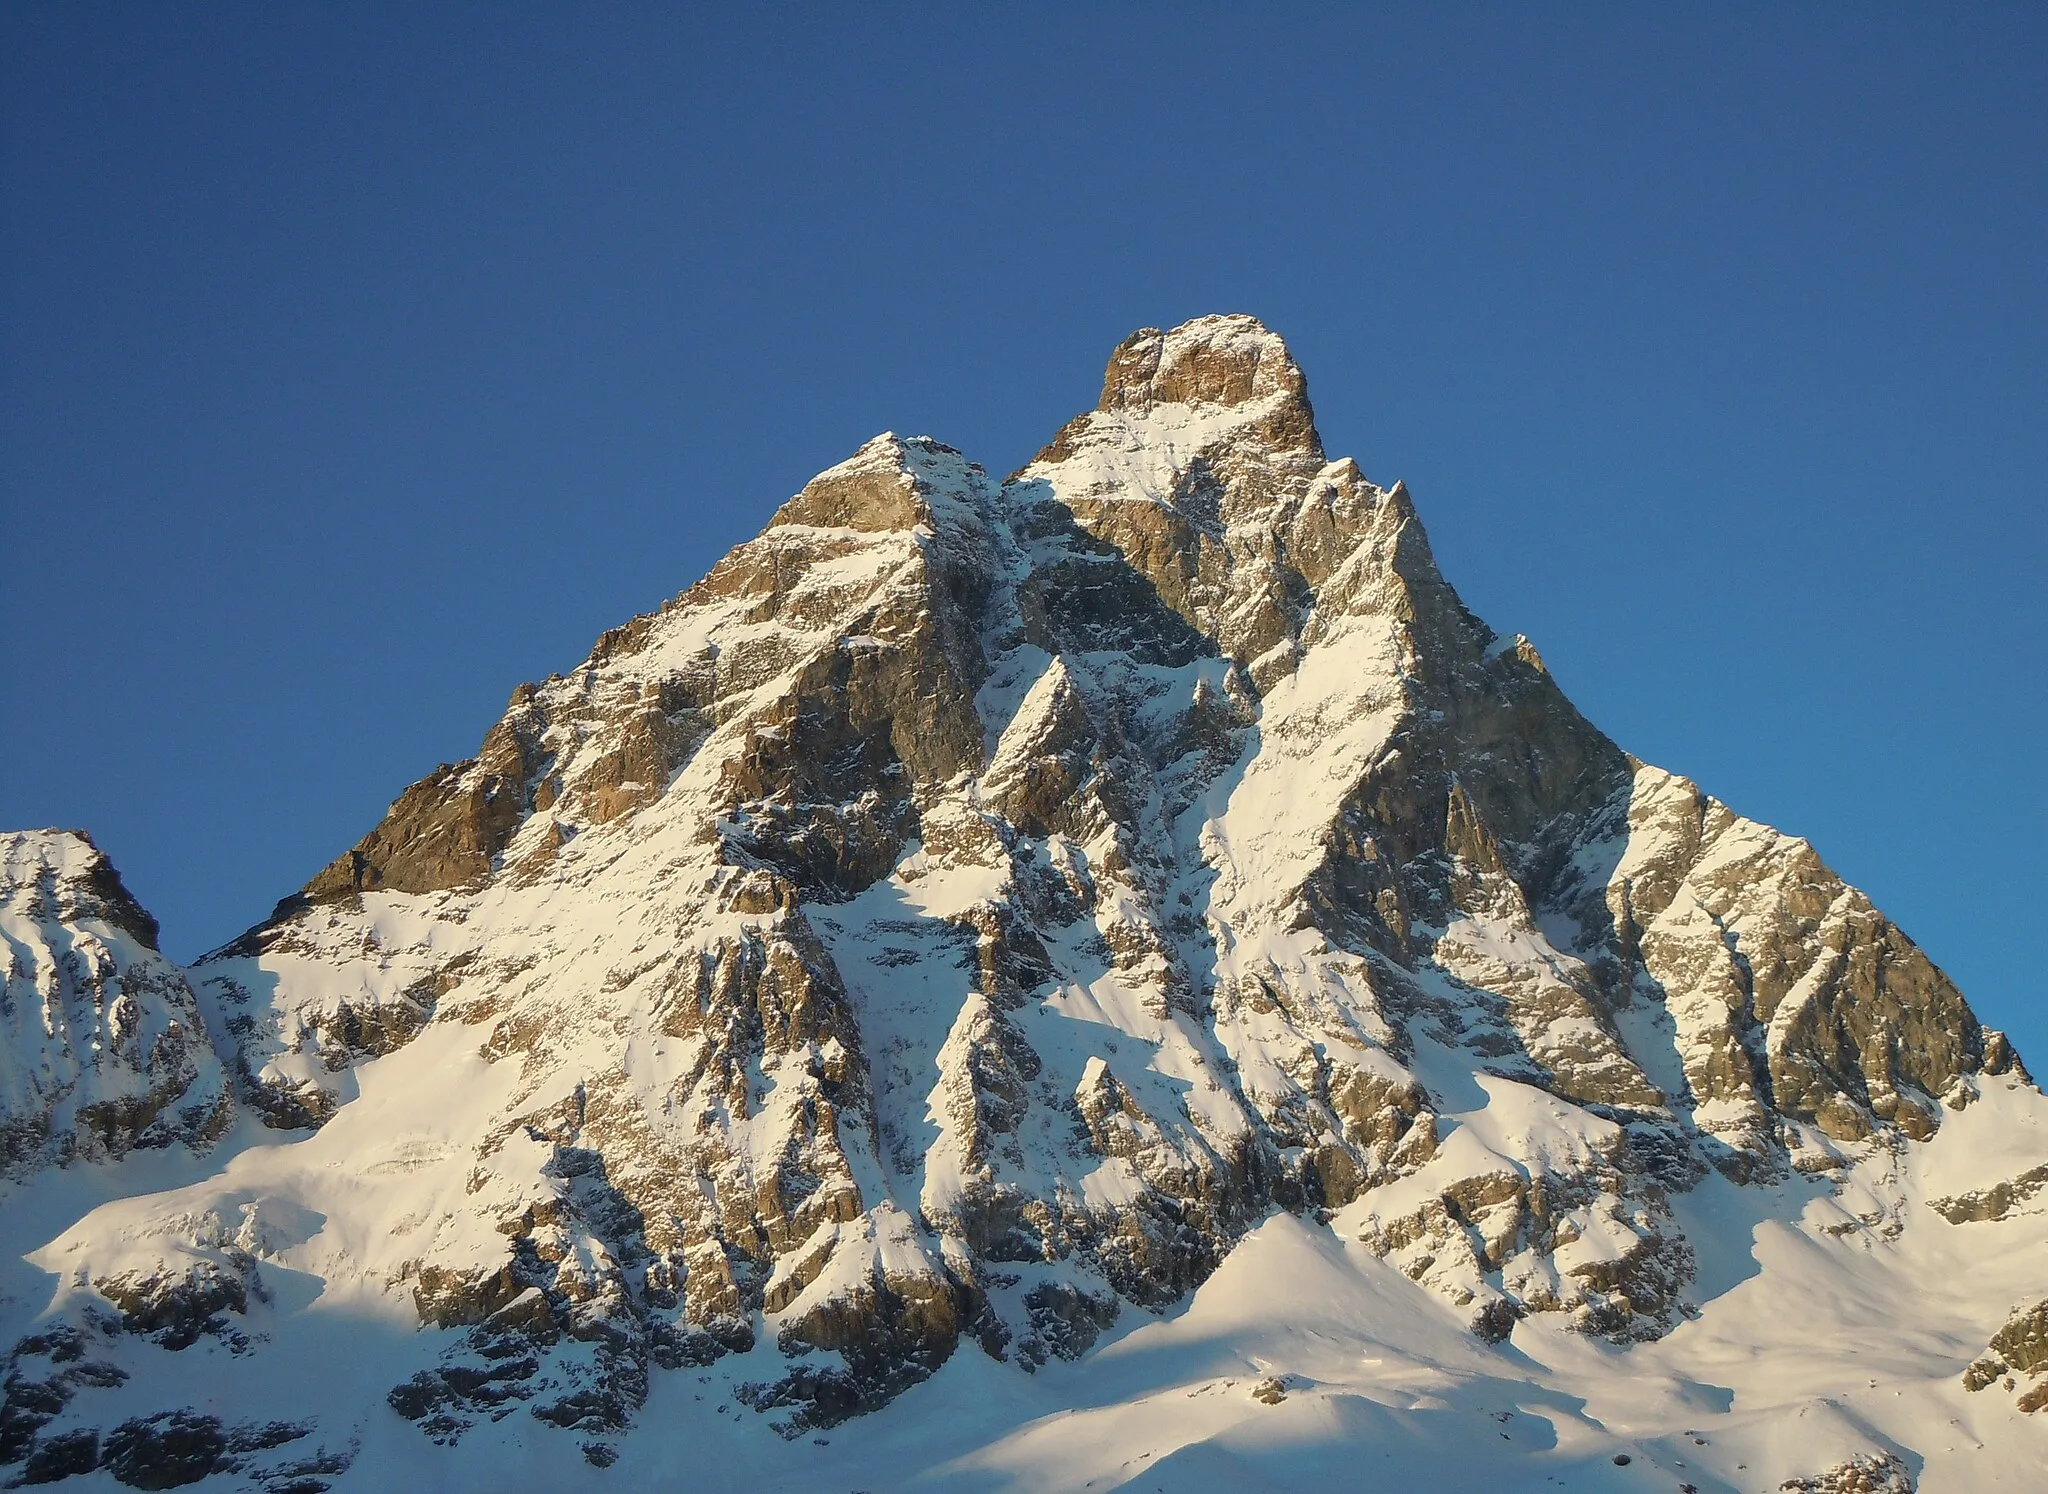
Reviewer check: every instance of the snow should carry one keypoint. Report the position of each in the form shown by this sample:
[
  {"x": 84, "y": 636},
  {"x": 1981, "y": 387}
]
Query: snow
[{"x": 1319, "y": 729}]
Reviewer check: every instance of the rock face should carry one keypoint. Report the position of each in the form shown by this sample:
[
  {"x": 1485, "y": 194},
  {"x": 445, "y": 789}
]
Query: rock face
[
  {"x": 101, "y": 1045},
  {"x": 1871, "y": 1473},
  {"x": 2017, "y": 1358},
  {"x": 973, "y": 907}
]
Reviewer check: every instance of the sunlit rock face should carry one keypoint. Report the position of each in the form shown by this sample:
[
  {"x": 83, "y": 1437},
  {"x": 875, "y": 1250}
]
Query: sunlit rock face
[{"x": 956, "y": 921}]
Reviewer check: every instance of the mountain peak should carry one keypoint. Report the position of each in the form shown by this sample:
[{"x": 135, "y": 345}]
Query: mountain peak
[
  {"x": 890, "y": 483},
  {"x": 1173, "y": 398},
  {"x": 70, "y": 857},
  {"x": 1213, "y": 360}
]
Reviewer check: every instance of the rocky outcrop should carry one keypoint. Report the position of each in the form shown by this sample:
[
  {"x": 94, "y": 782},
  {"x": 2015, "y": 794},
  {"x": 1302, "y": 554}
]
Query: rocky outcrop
[
  {"x": 44, "y": 1371},
  {"x": 40, "y": 1430},
  {"x": 2017, "y": 1358},
  {"x": 102, "y": 1049},
  {"x": 1984, "y": 1205},
  {"x": 1789, "y": 995},
  {"x": 1867, "y": 1473}
]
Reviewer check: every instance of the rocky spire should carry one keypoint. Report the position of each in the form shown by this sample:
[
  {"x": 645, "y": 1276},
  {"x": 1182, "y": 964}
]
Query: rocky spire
[
  {"x": 1201, "y": 464},
  {"x": 1229, "y": 363}
]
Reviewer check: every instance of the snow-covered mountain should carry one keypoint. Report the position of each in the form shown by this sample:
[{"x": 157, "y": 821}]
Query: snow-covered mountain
[
  {"x": 1108, "y": 978},
  {"x": 101, "y": 1045}
]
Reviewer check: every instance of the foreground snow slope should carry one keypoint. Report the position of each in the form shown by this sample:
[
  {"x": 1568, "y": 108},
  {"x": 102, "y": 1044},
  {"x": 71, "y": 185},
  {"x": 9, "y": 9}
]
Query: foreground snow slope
[
  {"x": 1113, "y": 977},
  {"x": 1825, "y": 1347}
]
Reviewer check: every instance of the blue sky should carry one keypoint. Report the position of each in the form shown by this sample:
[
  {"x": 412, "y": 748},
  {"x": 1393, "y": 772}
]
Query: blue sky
[{"x": 357, "y": 364}]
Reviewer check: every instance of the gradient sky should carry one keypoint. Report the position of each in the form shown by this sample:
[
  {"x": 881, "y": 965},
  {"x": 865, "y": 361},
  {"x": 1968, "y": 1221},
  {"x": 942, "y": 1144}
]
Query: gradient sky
[{"x": 357, "y": 364}]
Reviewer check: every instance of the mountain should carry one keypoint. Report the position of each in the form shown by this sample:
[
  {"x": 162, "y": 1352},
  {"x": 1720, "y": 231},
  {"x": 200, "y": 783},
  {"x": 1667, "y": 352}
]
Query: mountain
[
  {"x": 1110, "y": 977},
  {"x": 102, "y": 1049}
]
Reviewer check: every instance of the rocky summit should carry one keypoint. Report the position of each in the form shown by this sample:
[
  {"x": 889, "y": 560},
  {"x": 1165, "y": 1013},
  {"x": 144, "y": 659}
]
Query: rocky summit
[{"x": 1107, "y": 978}]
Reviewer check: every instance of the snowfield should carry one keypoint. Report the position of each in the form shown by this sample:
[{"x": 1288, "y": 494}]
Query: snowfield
[{"x": 1814, "y": 1346}]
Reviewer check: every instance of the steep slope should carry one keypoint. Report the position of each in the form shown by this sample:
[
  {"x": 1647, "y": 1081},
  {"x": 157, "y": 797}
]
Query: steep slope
[{"x": 968, "y": 914}]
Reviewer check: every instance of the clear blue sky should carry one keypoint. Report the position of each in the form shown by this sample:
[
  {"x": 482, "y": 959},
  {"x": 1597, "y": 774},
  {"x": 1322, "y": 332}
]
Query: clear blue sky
[{"x": 358, "y": 363}]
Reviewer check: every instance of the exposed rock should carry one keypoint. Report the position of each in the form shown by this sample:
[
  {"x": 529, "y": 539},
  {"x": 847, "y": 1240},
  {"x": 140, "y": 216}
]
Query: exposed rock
[
  {"x": 167, "y": 1451},
  {"x": 1063, "y": 1321},
  {"x": 1986, "y": 1204},
  {"x": 2022, "y": 1341},
  {"x": 175, "y": 1307},
  {"x": 446, "y": 830},
  {"x": 1867, "y": 1473},
  {"x": 2019, "y": 1348},
  {"x": 41, "y": 1375},
  {"x": 61, "y": 1456},
  {"x": 1196, "y": 467}
]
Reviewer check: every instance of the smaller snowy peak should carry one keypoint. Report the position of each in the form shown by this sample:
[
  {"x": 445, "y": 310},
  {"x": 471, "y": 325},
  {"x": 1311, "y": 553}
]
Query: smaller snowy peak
[
  {"x": 892, "y": 483},
  {"x": 872, "y": 552},
  {"x": 66, "y": 864},
  {"x": 101, "y": 1045},
  {"x": 31, "y": 851}
]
